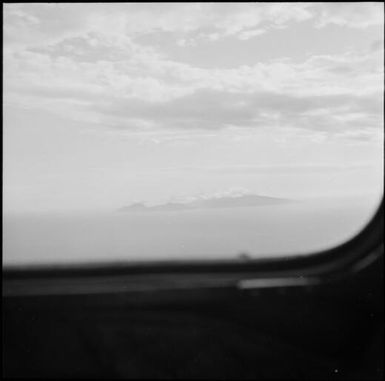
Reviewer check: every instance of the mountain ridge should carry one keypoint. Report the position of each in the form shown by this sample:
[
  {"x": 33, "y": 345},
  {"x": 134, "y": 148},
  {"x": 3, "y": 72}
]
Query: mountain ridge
[{"x": 248, "y": 200}]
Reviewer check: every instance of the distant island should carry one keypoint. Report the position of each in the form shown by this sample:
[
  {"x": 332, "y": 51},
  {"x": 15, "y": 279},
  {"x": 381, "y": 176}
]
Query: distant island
[{"x": 207, "y": 203}]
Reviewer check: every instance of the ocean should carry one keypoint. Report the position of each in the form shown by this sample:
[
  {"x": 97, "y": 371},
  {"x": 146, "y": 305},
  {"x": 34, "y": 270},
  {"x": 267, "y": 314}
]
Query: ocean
[{"x": 262, "y": 231}]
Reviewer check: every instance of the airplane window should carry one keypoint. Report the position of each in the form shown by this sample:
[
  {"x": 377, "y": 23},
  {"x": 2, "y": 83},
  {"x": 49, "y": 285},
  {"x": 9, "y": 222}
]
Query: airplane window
[{"x": 143, "y": 132}]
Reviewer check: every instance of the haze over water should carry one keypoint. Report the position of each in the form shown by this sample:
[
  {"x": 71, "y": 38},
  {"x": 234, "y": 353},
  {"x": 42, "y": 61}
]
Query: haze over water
[{"x": 263, "y": 231}]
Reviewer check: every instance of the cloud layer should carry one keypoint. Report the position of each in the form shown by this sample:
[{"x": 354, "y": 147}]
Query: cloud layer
[{"x": 86, "y": 63}]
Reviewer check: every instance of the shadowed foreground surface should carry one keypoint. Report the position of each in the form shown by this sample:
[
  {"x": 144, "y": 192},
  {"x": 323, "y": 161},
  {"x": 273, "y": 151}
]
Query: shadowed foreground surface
[{"x": 333, "y": 331}]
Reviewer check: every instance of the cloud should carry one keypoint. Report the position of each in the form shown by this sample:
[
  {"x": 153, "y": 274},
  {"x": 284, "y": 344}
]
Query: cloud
[
  {"x": 232, "y": 192},
  {"x": 324, "y": 92},
  {"x": 39, "y": 24},
  {"x": 244, "y": 20},
  {"x": 214, "y": 110},
  {"x": 377, "y": 45},
  {"x": 247, "y": 34},
  {"x": 85, "y": 63},
  {"x": 33, "y": 25},
  {"x": 284, "y": 169},
  {"x": 30, "y": 24},
  {"x": 355, "y": 15},
  {"x": 264, "y": 169}
]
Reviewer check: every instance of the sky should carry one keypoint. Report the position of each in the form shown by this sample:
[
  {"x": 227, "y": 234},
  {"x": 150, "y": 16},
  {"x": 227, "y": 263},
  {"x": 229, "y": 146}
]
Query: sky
[{"x": 107, "y": 104}]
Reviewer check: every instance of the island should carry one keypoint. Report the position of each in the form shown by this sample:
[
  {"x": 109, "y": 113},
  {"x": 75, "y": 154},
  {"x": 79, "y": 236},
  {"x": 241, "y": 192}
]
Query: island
[{"x": 249, "y": 200}]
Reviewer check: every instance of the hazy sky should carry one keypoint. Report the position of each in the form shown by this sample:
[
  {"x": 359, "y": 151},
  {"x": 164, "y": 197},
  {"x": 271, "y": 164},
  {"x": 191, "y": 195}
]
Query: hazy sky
[{"x": 108, "y": 104}]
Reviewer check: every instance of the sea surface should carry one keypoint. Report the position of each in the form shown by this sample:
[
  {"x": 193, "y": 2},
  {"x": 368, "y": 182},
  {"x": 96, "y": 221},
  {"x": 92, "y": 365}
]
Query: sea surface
[{"x": 296, "y": 228}]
